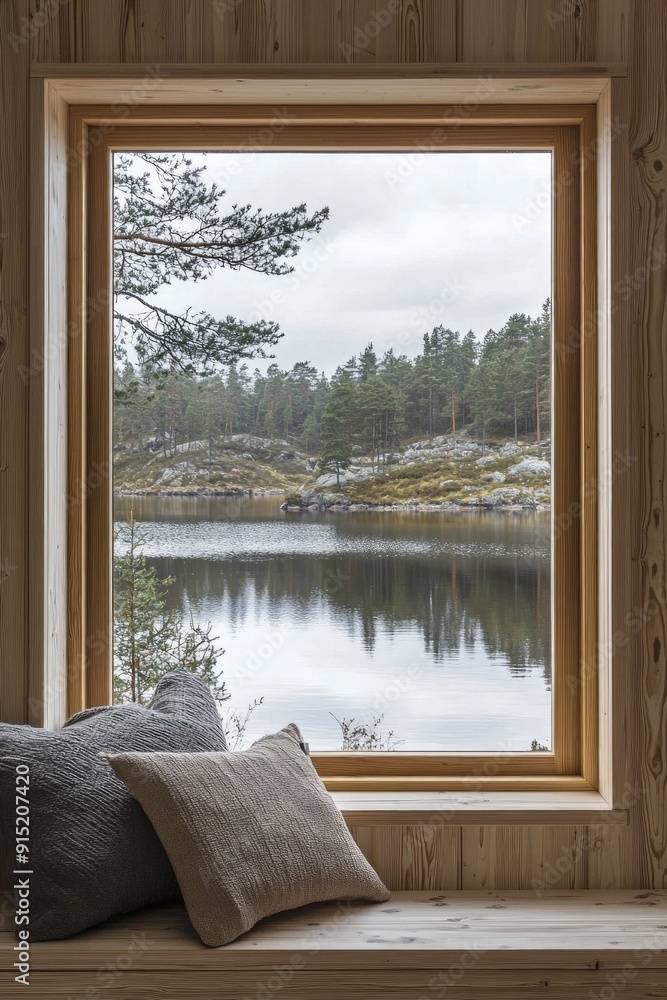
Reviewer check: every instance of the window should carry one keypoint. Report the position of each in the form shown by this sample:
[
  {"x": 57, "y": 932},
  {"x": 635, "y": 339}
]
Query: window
[{"x": 569, "y": 756}]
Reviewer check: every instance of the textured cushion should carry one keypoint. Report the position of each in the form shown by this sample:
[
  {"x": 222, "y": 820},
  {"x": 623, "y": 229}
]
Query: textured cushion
[
  {"x": 93, "y": 853},
  {"x": 249, "y": 833}
]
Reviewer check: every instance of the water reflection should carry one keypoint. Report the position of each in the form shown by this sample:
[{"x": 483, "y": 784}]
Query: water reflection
[{"x": 464, "y": 599}]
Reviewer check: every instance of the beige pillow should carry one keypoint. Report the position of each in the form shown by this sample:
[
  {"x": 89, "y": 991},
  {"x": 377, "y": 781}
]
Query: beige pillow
[{"x": 248, "y": 834}]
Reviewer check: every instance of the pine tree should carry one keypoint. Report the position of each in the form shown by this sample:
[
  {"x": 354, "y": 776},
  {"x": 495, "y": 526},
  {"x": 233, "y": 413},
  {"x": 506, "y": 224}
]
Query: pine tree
[
  {"x": 170, "y": 224},
  {"x": 538, "y": 354},
  {"x": 150, "y": 640},
  {"x": 338, "y": 426}
]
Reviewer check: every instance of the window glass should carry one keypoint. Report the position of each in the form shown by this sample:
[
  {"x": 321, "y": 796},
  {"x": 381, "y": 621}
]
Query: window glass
[{"x": 332, "y": 442}]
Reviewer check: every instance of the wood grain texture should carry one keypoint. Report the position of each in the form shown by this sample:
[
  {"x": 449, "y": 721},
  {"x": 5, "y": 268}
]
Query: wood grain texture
[
  {"x": 332, "y": 31},
  {"x": 413, "y": 857},
  {"x": 380, "y": 771},
  {"x": 47, "y": 383},
  {"x": 96, "y": 488},
  {"x": 566, "y": 584},
  {"x": 648, "y": 148},
  {"x": 77, "y": 545},
  {"x": 645, "y": 984},
  {"x": 14, "y": 363},
  {"x": 336, "y": 137},
  {"x": 542, "y": 30},
  {"x": 529, "y": 857},
  {"x": 476, "y": 808},
  {"x": 590, "y": 721},
  {"x": 510, "y": 930},
  {"x": 484, "y": 37}
]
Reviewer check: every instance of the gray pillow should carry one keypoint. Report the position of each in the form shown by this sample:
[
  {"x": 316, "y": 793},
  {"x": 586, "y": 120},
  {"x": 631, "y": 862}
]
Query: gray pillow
[
  {"x": 249, "y": 833},
  {"x": 92, "y": 851}
]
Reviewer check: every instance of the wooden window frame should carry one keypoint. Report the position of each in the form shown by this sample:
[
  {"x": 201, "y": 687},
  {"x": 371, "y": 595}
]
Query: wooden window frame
[
  {"x": 95, "y": 132},
  {"x": 64, "y": 102}
]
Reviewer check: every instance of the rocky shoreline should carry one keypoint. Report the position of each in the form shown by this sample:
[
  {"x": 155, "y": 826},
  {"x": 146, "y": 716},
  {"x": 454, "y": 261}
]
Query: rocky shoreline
[
  {"x": 334, "y": 503},
  {"x": 433, "y": 474},
  {"x": 509, "y": 499},
  {"x": 199, "y": 491}
]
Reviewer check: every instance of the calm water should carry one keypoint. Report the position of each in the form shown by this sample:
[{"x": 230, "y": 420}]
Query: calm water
[{"x": 439, "y": 620}]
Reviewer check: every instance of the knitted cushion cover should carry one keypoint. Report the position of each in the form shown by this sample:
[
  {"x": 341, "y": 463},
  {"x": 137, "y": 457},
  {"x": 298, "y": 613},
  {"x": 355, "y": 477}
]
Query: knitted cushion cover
[
  {"x": 249, "y": 834},
  {"x": 92, "y": 851}
]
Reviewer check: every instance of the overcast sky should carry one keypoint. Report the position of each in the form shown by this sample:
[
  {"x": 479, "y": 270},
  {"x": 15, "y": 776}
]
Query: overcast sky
[{"x": 461, "y": 239}]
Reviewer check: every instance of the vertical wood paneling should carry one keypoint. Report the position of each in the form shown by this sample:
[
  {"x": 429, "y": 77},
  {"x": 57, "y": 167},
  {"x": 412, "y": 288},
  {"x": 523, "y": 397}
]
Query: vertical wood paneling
[
  {"x": 628, "y": 342},
  {"x": 612, "y": 859},
  {"x": 491, "y": 31},
  {"x": 432, "y": 857},
  {"x": 479, "y": 31},
  {"x": 113, "y": 31},
  {"x": 14, "y": 362},
  {"x": 419, "y": 31},
  {"x": 613, "y": 30},
  {"x": 529, "y": 857},
  {"x": 162, "y": 30},
  {"x": 255, "y": 35},
  {"x": 359, "y": 43},
  {"x": 45, "y": 45},
  {"x": 382, "y": 846},
  {"x": 334, "y": 31},
  {"x": 542, "y": 30},
  {"x": 413, "y": 857},
  {"x": 648, "y": 237}
]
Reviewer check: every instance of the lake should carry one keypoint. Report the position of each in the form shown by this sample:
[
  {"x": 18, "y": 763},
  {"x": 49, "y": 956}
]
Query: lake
[{"x": 440, "y": 621}]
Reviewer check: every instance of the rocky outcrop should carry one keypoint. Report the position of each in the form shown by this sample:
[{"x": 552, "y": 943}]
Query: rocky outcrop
[
  {"x": 351, "y": 475},
  {"x": 509, "y": 449},
  {"x": 530, "y": 467}
]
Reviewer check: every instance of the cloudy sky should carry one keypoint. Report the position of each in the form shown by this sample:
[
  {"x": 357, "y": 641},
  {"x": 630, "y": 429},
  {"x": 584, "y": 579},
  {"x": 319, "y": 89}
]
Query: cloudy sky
[{"x": 461, "y": 239}]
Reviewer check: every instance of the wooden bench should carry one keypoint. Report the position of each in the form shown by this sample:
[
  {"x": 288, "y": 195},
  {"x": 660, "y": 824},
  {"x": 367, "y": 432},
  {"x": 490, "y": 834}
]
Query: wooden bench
[{"x": 418, "y": 946}]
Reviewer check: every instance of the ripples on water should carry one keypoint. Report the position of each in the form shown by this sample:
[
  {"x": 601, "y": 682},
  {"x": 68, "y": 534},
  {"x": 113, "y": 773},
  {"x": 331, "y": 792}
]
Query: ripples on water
[
  {"x": 441, "y": 621},
  {"x": 253, "y": 540}
]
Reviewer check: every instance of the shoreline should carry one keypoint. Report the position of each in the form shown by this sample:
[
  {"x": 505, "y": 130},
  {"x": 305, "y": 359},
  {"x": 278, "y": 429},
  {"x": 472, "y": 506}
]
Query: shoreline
[{"x": 341, "y": 505}]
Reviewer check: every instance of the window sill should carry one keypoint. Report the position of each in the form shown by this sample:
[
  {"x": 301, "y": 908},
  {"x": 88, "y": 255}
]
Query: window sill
[{"x": 476, "y": 808}]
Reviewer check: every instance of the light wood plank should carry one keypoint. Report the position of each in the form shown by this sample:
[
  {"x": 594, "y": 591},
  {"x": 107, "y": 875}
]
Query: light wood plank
[
  {"x": 621, "y": 610},
  {"x": 14, "y": 362},
  {"x": 47, "y": 383},
  {"x": 644, "y": 984},
  {"x": 476, "y": 808},
  {"x": 76, "y": 418},
  {"x": 566, "y": 583},
  {"x": 413, "y": 930},
  {"x": 98, "y": 492},
  {"x": 334, "y": 137},
  {"x": 261, "y": 114},
  {"x": 590, "y": 466}
]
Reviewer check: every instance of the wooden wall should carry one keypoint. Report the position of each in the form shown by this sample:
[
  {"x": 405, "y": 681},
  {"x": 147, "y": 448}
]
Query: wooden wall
[{"x": 495, "y": 35}]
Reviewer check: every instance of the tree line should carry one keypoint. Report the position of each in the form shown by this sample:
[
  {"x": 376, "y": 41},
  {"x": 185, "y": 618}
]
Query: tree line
[{"x": 499, "y": 387}]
